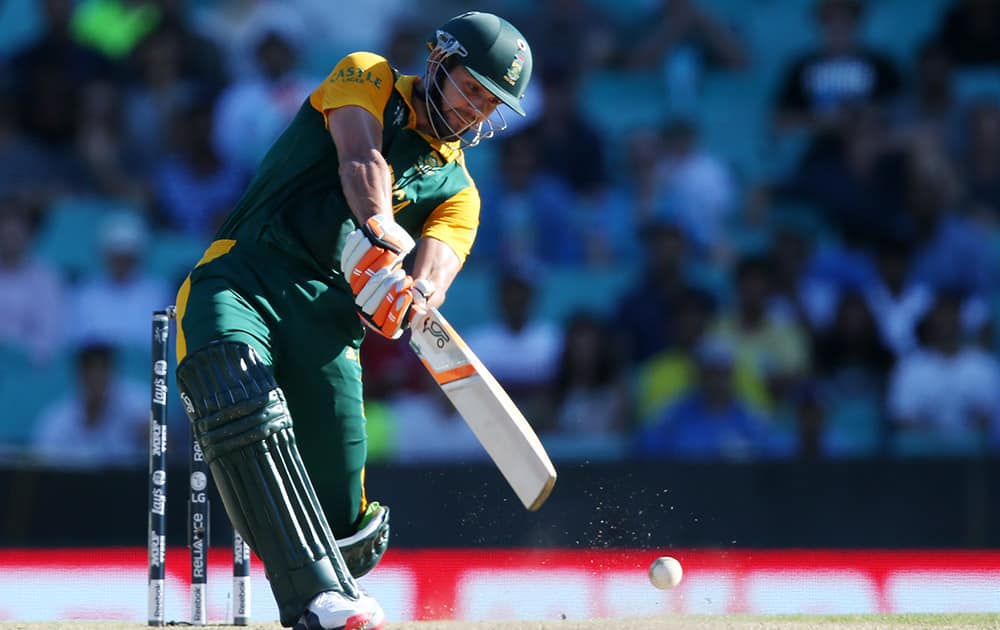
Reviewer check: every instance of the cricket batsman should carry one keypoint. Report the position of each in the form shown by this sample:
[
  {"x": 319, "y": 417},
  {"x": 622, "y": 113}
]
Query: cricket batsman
[{"x": 272, "y": 317}]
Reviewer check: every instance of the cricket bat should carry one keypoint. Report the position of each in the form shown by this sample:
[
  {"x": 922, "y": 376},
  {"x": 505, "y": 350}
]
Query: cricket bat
[{"x": 486, "y": 408}]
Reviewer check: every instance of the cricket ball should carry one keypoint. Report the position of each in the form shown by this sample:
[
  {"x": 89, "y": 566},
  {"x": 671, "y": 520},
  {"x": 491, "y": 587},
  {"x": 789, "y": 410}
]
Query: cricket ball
[{"x": 665, "y": 572}]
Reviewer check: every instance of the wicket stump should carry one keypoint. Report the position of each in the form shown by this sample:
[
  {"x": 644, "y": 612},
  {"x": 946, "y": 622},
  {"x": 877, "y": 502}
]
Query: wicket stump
[{"x": 198, "y": 505}]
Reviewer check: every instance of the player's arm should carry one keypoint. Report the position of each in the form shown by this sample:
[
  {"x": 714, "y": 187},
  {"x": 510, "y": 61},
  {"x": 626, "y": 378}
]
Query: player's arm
[
  {"x": 373, "y": 254},
  {"x": 445, "y": 242},
  {"x": 437, "y": 263},
  {"x": 352, "y": 101},
  {"x": 364, "y": 173}
]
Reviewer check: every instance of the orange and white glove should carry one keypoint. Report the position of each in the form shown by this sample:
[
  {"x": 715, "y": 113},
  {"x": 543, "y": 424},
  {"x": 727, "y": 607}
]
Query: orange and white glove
[
  {"x": 388, "y": 300},
  {"x": 379, "y": 244}
]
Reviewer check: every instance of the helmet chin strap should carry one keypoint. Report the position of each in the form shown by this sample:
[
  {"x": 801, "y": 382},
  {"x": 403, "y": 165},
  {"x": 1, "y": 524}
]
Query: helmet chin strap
[{"x": 437, "y": 73}]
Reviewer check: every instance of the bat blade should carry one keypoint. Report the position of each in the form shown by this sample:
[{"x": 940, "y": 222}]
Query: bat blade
[{"x": 495, "y": 420}]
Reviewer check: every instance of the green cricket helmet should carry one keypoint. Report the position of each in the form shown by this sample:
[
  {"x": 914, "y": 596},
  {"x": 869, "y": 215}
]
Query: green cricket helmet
[{"x": 492, "y": 50}]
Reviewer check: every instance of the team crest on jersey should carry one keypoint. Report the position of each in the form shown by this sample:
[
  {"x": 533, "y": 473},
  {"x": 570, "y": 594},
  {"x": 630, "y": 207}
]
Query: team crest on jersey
[
  {"x": 514, "y": 71},
  {"x": 427, "y": 163},
  {"x": 397, "y": 116}
]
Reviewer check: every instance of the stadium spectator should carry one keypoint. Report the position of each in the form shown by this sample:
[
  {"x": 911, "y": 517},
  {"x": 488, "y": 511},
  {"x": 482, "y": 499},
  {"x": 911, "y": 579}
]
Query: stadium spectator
[
  {"x": 57, "y": 50},
  {"x": 675, "y": 28},
  {"x": 643, "y": 149},
  {"x": 819, "y": 86},
  {"x": 157, "y": 88},
  {"x": 944, "y": 397},
  {"x": 32, "y": 295},
  {"x": 599, "y": 219},
  {"x": 851, "y": 364},
  {"x": 642, "y": 310},
  {"x": 590, "y": 394},
  {"x": 571, "y": 34},
  {"x": 113, "y": 164},
  {"x": 898, "y": 301},
  {"x": 970, "y": 32},
  {"x": 851, "y": 174},
  {"x": 682, "y": 42},
  {"x": 581, "y": 160},
  {"x": 830, "y": 101},
  {"x": 665, "y": 377},
  {"x": 789, "y": 250},
  {"x": 195, "y": 188},
  {"x": 710, "y": 421},
  {"x": 520, "y": 347},
  {"x": 696, "y": 189},
  {"x": 776, "y": 350},
  {"x": 951, "y": 252},
  {"x": 202, "y": 60},
  {"x": 253, "y": 110},
  {"x": 928, "y": 111},
  {"x": 28, "y": 167},
  {"x": 531, "y": 212},
  {"x": 980, "y": 162},
  {"x": 104, "y": 423},
  {"x": 834, "y": 267},
  {"x": 406, "y": 46},
  {"x": 114, "y": 307}
]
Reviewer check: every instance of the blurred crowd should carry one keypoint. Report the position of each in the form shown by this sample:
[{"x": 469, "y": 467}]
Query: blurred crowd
[{"x": 727, "y": 229}]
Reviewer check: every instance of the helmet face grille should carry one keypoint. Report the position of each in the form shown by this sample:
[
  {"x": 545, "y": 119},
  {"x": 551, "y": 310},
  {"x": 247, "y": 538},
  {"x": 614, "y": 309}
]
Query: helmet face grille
[{"x": 471, "y": 132}]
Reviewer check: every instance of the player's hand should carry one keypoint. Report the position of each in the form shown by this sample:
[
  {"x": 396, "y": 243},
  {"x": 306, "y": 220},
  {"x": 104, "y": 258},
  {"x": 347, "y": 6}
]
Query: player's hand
[
  {"x": 385, "y": 302},
  {"x": 423, "y": 289},
  {"x": 389, "y": 302},
  {"x": 379, "y": 244}
]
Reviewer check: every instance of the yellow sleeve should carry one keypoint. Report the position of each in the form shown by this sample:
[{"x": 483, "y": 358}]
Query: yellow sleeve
[
  {"x": 363, "y": 79},
  {"x": 455, "y": 221}
]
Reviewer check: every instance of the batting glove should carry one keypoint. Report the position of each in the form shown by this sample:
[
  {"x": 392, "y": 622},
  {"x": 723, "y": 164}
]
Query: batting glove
[
  {"x": 379, "y": 244},
  {"x": 384, "y": 302},
  {"x": 388, "y": 302}
]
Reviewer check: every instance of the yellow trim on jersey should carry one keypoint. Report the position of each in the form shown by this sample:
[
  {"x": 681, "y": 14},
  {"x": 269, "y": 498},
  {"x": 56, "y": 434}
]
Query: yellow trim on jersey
[
  {"x": 215, "y": 250},
  {"x": 363, "y": 79},
  {"x": 455, "y": 221}
]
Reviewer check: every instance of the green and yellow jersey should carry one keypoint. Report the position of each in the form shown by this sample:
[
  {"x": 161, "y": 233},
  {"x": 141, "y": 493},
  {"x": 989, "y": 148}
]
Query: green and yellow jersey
[{"x": 296, "y": 201}]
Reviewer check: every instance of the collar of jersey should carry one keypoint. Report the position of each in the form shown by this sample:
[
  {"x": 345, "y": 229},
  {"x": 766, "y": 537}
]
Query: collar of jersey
[{"x": 448, "y": 150}]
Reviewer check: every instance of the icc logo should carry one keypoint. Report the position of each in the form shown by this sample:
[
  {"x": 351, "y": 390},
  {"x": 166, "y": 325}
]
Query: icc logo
[{"x": 160, "y": 368}]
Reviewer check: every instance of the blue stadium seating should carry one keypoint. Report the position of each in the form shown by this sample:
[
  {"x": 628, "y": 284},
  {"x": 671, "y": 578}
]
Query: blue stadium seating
[
  {"x": 899, "y": 27},
  {"x": 68, "y": 237},
  {"x": 20, "y": 24},
  {"x": 25, "y": 390},
  {"x": 973, "y": 85},
  {"x": 172, "y": 255},
  {"x": 616, "y": 102}
]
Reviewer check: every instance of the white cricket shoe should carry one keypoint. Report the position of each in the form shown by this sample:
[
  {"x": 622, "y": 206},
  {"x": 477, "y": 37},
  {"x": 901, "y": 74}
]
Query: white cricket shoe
[{"x": 331, "y": 610}]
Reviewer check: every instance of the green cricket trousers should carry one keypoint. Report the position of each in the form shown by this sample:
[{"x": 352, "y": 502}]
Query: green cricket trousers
[{"x": 307, "y": 330}]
